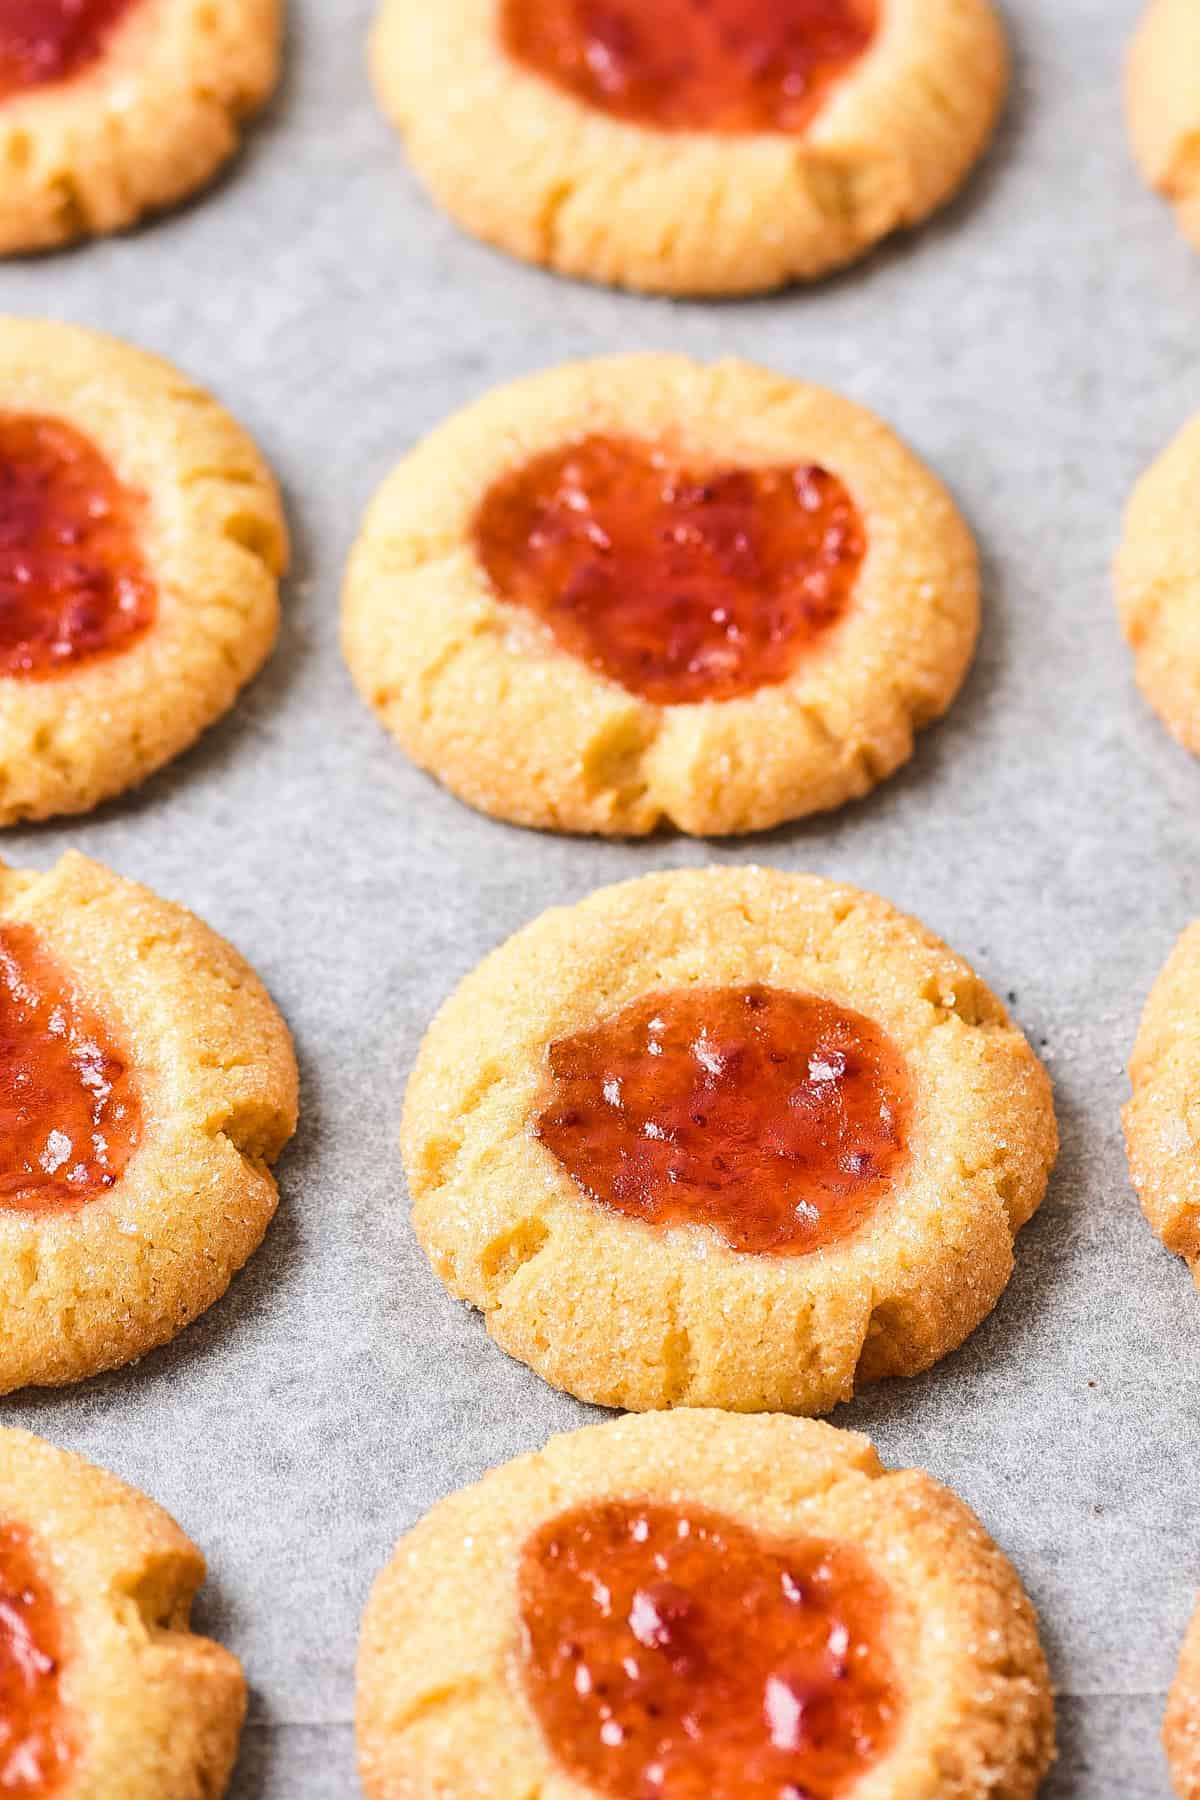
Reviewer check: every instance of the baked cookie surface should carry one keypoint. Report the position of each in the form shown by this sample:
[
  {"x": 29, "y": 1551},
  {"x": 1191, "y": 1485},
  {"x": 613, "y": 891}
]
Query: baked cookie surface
[
  {"x": 725, "y": 1138},
  {"x": 146, "y": 1084},
  {"x": 1158, "y": 585},
  {"x": 684, "y": 148},
  {"x": 1163, "y": 105},
  {"x": 1181, "y": 1722},
  {"x": 105, "y": 1693},
  {"x": 697, "y": 1603},
  {"x": 142, "y": 539},
  {"x": 1162, "y": 1117},
  {"x": 643, "y": 590},
  {"x": 110, "y": 109}
]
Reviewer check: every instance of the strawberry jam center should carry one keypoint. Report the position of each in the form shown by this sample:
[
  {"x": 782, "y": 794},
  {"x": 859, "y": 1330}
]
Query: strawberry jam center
[
  {"x": 671, "y": 1654},
  {"x": 73, "y": 582},
  {"x": 35, "y": 1750},
  {"x": 69, "y": 1108},
  {"x": 681, "y": 586},
  {"x": 776, "y": 1118},
  {"x": 694, "y": 65},
  {"x": 47, "y": 41}
]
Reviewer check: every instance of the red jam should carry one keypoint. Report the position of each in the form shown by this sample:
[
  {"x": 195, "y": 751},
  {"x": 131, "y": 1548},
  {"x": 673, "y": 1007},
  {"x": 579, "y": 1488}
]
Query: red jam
[
  {"x": 47, "y": 41},
  {"x": 673, "y": 1655},
  {"x": 35, "y": 1749},
  {"x": 776, "y": 1118},
  {"x": 69, "y": 1107},
  {"x": 680, "y": 585},
  {"x": 694, "y": 65},
  {"x": 73, "y": 583}
]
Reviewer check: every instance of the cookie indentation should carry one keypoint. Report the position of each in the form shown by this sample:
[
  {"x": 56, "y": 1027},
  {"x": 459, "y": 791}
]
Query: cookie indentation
[
  {"x": 694, "y": 65},
  {"x": 74, "y": 584},
  {"x": 35, "y": 1747},
  {"x": 778, "y": 1119},
  {"x": 70, "y": 1114},
  {"x": 47, "y": 41},
  {"x": 682, "y": 585},
  {"x": 673, "y": 1653}
]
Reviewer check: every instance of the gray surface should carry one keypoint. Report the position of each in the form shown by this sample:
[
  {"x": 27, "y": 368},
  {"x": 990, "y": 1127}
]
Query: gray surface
[{"x": 1037, "y": 346}]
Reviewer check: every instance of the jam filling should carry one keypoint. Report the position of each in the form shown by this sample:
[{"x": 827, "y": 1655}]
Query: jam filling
[
  {"x": 694, "y": 65},
  {"x": 73, "y": 582},
  {"x": 35, "y": 1749},
  {"x": 776, "y": 1118},
  {"x": 671, "y": 1654},
  {"x": 680, "y": 585},
  {"x": 69, "y": 1108},
  {"x": 47, "y": 41}
]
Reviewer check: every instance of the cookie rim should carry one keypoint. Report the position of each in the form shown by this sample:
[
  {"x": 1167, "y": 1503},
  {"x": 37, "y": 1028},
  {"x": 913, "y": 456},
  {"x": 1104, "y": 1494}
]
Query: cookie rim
[
  {"x": 1157, "y": 581},
  {"x": 1162, "y": 1149},
  {"x": 1162, "y": 107},
  {"x": 671, "y": 1316},
  {"x": 476, "y": 691},
  {"x": 572, "y": 188}
]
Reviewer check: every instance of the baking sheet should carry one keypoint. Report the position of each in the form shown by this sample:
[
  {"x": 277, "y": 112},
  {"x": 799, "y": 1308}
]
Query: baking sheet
[{"x": 1037, "y": 346}]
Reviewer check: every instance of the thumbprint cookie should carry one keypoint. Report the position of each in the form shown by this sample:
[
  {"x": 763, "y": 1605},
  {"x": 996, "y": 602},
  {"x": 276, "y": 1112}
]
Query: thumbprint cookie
[
  {"x": 1162, "y": 1118},
  {"x": 105, "y": 1692},
  {"x": 697, "y": 1605},
  {"x": 146, "y": 1085},
  {"x": 1158, "y": 585},
  {"x": 690, "y": 146},
  {"x": 110, "y": 109},
  {"x": 141, "y": 543},
  {"x": 725, "y": 1137},
  {"x": 1163, "y": 104},
  {"x": 643, "y": 590}
]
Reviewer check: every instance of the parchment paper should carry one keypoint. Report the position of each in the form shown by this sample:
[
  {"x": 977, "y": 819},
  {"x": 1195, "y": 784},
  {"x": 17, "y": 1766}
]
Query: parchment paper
[{"x": 1037, "y": 345}]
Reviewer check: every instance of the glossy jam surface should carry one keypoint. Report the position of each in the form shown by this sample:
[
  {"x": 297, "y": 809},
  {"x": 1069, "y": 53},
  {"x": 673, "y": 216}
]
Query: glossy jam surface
[
  {"x": 694, "y": 65},
  {"x": 47, "y": 41},
  {"x": 69, "y": 1108},
  {"x": 778, "y": 1119},
  {"x": 672, "y": 1655},
  {"x": 73, "y": 582},
  {"x": 681, "y": 586},
  {"x": 35, "y": 1750}
]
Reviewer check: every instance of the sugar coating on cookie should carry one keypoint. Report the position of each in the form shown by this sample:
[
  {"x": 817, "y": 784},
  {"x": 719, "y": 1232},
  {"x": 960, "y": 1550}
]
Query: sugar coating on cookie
[
  {"x": 104, "y": 1689},
  {"x": 1162, "y": 1116},
  {"x": 142, "y": 539},
  {"x": 110, "y": 109},
  {"x": 1163, "y": 105},
  {"x": 643, "y": 590},
  {"x": 696, "y": 1603},
  {"x": 725, "y": 1138},
  {"x": 147, "y": 1083},
  {"x": 1181, "y": 1721},
  {"x": 691, "y": 146},
  {"x": 1158, "y": 585}
]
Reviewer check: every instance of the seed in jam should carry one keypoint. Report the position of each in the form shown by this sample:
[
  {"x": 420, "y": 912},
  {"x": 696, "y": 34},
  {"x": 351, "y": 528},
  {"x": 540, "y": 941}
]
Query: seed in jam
[
  {"x": 73, "y": 582},
  {"x": 35, "y": 1747},
  {"x": 778, "y": 1119},
  {"x": 694, "y": 65},
  {"x": 680, "y": 585},
  {"x": 671, "y": 1654},
  {"x": 69, "y": 1107},
  {"x": 47, "y": 41}
]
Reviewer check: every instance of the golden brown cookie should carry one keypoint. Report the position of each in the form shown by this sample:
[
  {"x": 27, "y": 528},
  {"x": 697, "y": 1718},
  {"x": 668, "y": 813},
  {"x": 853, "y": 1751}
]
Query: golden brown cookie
[
  {"x": 110, "y": 109},
  {"x": 146, "y": 1084},
  {"x": 105, "y": 1693},
  {"x": 688, "y": 149},
  {"x": 1181, "y": 1723},
  {"x": 725, "y": 1138},
  {"x": 1163, "y": 102},
  {"x": 1162, "y": 1119},
  {"x": 697, "y": 1604},
  {"x": 1158, "y": 585},
  {"x": 141, "y": 543},
  {"x": 643, "y": 589}
]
